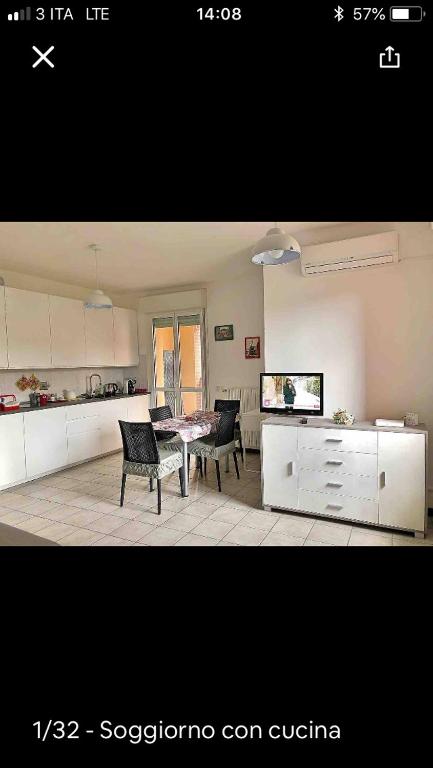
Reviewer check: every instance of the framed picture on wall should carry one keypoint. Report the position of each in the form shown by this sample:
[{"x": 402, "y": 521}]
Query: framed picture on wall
[
  {"x": 224, "y": 333},
  {"x": 252, "y": 347}
]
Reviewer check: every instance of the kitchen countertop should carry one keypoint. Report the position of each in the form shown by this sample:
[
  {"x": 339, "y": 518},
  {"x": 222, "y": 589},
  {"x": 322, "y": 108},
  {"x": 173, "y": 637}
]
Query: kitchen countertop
[{"x": 79, "y": 401}]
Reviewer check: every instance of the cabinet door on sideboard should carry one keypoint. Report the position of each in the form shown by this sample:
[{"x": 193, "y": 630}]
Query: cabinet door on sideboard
[
  {"x": 401, "y": 463},
  {"x": 279, "y": 452}
]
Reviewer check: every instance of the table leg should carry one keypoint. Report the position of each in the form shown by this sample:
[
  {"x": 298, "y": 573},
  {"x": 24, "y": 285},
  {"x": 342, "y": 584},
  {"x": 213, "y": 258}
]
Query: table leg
[{"x": 185, "y": 468}]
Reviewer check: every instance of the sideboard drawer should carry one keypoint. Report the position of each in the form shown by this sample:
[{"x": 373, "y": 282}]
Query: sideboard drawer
[
  {"x": 361, "y": 441},
  {"x": 337, "y": 506},
  {"x": 358, "y": 486},
  {"x": 339, "y": 461}
]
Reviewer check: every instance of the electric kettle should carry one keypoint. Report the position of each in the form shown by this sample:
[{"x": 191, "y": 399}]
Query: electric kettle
[{"x": 110, "y": 389}]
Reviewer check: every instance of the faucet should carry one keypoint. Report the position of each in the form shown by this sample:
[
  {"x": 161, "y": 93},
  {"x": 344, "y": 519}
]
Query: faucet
[{"x": 92, "y": 391}]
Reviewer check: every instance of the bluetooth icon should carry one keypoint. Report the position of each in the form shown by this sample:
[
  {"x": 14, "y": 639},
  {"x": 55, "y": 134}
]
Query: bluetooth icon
[{"x": 338, "y": 13}]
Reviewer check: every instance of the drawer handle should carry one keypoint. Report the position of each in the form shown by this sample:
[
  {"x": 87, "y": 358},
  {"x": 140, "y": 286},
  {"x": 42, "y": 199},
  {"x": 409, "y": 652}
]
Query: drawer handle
[
  {"x": 335, "y": 485},
  {"x": 334, "y": 506},
  {"x": 337, "y": 463},
  {"x": 334, "y": 440}
]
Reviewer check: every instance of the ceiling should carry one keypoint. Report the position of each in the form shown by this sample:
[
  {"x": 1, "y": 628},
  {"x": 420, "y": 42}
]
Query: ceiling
[{"x": 136, "y": 256}]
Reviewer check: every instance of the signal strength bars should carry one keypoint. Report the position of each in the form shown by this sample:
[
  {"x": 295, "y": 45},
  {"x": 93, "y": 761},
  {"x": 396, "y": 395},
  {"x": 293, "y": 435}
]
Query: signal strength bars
[{"x": 25, "y": 14}]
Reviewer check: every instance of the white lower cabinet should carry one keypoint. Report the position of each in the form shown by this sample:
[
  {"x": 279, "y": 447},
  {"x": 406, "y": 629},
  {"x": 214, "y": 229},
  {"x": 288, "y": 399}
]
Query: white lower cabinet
[
  {"x": 109, "y": 416},
  {"x": 279, "y": 456},
  {"x": 368, "y": 476},
  {"x": 138, "y": 408},
  {"x": 12, "y": 455},
  {"x": 402, "y": 480},
  {"x": 45, "y": 441}
]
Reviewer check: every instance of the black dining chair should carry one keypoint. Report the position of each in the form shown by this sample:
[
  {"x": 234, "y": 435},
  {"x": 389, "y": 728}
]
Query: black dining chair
[
  {"x": 161, "y": 413},
  {"x": 218, "y": 445},
  {"x": 143, "y": 456},
  {"x": 232, "y": 405}
]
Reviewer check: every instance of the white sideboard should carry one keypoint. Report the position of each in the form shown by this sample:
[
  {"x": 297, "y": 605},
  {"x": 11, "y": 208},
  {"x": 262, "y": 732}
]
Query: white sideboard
[
  {"x": 38, "y": 330},
  {"x": 46, "y": 440},
  {"x": 368, "y": 474}
]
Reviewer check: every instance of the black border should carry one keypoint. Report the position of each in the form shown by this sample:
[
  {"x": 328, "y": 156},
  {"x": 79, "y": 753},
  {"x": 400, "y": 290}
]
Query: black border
[{"x": 299, "y": 411}]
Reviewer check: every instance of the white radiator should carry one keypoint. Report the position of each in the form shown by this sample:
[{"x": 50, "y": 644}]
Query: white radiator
[{"x": 250, "y": 401}]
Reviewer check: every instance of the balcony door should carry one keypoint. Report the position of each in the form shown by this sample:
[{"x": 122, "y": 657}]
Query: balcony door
[{"x": 178, "y": 361}]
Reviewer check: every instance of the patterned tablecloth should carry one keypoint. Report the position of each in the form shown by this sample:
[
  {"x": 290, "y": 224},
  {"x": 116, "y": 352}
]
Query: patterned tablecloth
[{"x": 197, "y": 424}]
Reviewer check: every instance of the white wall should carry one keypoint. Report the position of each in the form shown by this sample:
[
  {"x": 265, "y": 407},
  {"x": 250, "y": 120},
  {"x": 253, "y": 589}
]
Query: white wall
[
  {"x": 238, "y": 302},
  {"x": 370, "y": 331}
]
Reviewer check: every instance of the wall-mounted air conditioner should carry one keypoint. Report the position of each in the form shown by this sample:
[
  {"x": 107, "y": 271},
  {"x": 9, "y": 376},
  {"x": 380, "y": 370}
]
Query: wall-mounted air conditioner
[{"x": 353, "y": 253}]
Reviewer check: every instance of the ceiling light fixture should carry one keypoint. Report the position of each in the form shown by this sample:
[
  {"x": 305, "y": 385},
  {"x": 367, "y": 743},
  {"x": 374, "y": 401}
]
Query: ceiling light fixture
[
  {"x": 97, "y": 299},
  {"x": 276, "y": 248}
]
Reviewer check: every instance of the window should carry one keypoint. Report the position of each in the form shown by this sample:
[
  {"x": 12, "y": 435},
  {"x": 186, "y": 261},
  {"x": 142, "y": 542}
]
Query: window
[{"x": 178, "y": 360}]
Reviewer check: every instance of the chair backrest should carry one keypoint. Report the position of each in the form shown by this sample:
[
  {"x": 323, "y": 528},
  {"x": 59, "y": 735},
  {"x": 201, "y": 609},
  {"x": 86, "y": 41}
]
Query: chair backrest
[
  {"x": 160, "y": 413},
  {"x": 139, "y": 442},
  {"x": 226, "y": 428},
  {"x": 227, "y": 405}
]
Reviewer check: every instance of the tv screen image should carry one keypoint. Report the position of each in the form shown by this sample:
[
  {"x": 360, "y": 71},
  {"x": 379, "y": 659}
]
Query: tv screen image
[{"x": 297, "y": 393}]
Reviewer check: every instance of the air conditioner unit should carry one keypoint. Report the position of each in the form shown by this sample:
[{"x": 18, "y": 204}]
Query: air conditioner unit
[{"x": 353, "y": 253}]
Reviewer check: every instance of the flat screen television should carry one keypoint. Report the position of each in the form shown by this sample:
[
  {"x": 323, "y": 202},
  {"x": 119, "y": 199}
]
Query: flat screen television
[{"x": 292, "y": 393}]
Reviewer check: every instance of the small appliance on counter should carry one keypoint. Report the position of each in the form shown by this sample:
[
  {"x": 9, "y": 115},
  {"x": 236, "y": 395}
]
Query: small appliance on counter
[
  {"x": 34, "y": 399},
  {"x": 8, "y": 403},
  {"x": 110, "y": 389},
  {"x": 69, "y": 394},
  {"x": 129, "y": 386},
  {"x": 43, "y": 399}
]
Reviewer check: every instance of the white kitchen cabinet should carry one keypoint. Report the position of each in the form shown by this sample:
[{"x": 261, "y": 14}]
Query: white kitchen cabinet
[
  {"x": 68, "y": 346},
  {"x": 12, "y": 455},
  {"x": 110, "y": 413},
  {"x": 279, "y": 457},
  {"x": 138, "y": 408},
  {"x": 28, "y": 329},
  {"x": 401, "y": 464},
  {"x": 45, "y": 440},
  {"x": 125, "y": 336},
  {"x": 3, "y": 336},
  {"x": 99, "y": 337}
]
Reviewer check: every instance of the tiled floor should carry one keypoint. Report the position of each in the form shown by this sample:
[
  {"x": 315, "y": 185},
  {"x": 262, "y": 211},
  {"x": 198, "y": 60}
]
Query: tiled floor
[{"x": 80, "y": 506}]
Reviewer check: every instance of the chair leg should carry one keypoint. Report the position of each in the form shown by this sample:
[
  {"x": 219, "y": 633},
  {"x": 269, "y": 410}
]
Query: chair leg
[
  {"x": 181, "y": 480},
  {"x": 150, "y": 483},
  {"x": 236, "y": 464},
  {"x": 158, "y": 485},
  {"x": 122, "y": 490},
  {"x": 205, "y": 465},
  {"x": 241, "y": 448},
  {"x": 217, "y": 464},
  {"x": 189, "y": 463}
]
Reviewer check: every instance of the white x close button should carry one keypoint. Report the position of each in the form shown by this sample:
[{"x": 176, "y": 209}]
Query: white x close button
[{"x": 43, "y": 57}]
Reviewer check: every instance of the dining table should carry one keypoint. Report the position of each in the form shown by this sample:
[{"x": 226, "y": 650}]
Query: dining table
[{"x": 190, "y": 427}]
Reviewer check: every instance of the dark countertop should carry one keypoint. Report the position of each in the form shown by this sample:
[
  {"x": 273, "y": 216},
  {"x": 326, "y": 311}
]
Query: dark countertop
[{"x": 79, "y": 401}]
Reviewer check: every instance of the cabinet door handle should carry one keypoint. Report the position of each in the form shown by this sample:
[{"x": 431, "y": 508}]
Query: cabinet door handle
[
  {"x": 335, "y": 485},
  {"x": 334, "y": 506},
  {"x": 337, "y": 463},
  {"x": 382, "y": 479},
  {"x": 291, "y": 467},
  {"x": 333, "y": 440}
]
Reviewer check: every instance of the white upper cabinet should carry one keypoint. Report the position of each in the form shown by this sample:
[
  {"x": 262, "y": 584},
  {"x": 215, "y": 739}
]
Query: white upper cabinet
[
  {"x": 28, "y": 329},
  {"x": 68, "y": 345},
  {"x": 125, "y": 337},
  {"x": 99, "y": 337},
  {"x": 3, "y": 337}
]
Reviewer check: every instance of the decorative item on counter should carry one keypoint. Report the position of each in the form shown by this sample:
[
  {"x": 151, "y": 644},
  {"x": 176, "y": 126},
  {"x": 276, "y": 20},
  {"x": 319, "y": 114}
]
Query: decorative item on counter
[
  {"x": 389, "y": 423},
  {"x": 69, "y": 394},
  {"x": 35, "y": 399},
  {"x": 224, "y": 333},
  {"x": 252, "y": 347},
  {"x": 34, "y": 383},
  {"x": 341, "y": 416},
  {"x": 43, "y": 399},
  {"x": 22, "y": 383},
  {"x": 411, "y": 420},
  {"x": 8, "y": 403}
]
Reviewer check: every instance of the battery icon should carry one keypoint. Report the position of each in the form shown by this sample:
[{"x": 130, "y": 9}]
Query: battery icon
[{"x": 409, "y": 13}]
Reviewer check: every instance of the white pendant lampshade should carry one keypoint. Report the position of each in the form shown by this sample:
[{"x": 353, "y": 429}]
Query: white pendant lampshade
[
  {"x": 97, "y": 299},
  {"x": 276, "y": 248}
]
